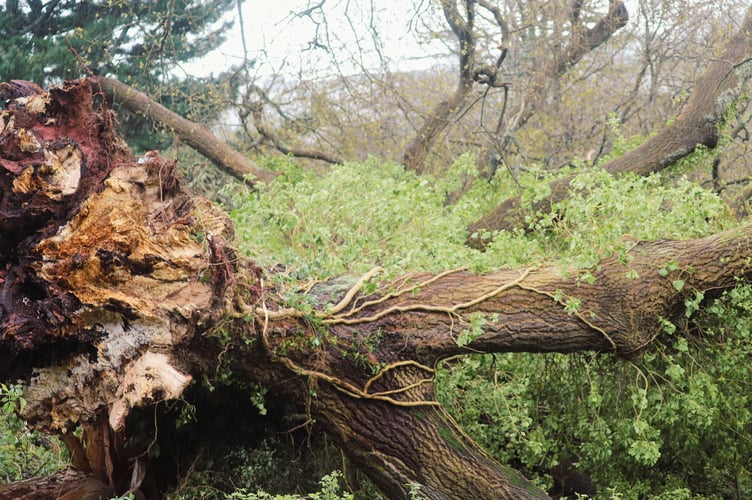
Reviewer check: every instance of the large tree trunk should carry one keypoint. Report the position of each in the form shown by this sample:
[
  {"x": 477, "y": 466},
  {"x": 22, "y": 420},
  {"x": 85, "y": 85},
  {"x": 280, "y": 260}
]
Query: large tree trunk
[
  {"x": 118, "y": 287},
  {"x": 715, "y": 92}
]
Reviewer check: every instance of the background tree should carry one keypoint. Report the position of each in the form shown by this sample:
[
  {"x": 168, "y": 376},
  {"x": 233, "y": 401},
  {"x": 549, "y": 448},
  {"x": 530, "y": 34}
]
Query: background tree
[
  {"x": 588, "y": 108},
  {"x": 718, "y": 91},
  {"x": 141, "y": 44},
  {"x": 587, "y": 105},
  {"x": 562, "y": 54}
]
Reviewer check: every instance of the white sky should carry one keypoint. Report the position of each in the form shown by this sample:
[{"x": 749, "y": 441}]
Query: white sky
[{"x": 278, "y": 36}]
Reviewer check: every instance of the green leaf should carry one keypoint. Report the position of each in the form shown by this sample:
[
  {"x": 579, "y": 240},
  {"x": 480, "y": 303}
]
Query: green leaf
[{"x": 645, "y": 452}]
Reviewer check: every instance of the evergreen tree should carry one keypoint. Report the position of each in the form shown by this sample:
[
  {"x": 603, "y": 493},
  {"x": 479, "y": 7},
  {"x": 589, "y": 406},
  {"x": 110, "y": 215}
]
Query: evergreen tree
[{"x": 139, "y": 43}]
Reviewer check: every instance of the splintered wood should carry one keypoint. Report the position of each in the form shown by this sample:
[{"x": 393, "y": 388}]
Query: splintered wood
[{"x": 106, "y": 261}]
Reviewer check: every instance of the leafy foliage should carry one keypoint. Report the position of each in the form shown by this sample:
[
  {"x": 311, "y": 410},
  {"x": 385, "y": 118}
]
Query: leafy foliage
[
  {"x": 672, "y": 423},
  {"x": 279, "y": 468},
  {"x": 330, "y": 490},
  {"x": 359, "y": 215},
  {"x": 24, "y": 453}
]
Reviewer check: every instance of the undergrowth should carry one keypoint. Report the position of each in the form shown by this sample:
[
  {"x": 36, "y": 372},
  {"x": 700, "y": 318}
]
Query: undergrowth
[
  {"x": 24, "y": 453},
  {"x": 672, "y": 423}
]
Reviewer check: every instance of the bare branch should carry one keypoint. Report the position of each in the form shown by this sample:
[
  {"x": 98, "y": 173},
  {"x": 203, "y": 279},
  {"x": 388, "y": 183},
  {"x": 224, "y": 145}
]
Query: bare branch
[
  {"x": 255, "y": 110},
  {"x": 494, "y": 10},
  {"x": 195, "y": 135}
]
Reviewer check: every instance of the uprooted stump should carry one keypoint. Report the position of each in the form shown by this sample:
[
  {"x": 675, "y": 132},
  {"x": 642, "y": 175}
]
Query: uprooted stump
[{"x": 106, "y": 266}]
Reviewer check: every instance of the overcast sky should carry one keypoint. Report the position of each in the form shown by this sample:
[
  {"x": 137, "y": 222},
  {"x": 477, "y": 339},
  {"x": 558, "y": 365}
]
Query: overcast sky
[{"x": 282, "y": 37}]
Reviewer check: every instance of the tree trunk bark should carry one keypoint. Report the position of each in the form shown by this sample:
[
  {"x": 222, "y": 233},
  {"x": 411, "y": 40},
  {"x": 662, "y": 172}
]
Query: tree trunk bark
[
  {"x": 63, "y": 485},
  {"x": 117, "y": 287},
  {"x": 420, "y": 445},
  {"x": 416, "y": 152}
]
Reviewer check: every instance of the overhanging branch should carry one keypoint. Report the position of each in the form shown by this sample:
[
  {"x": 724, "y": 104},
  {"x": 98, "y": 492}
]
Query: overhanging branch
[{"x": 195, "y": 135}]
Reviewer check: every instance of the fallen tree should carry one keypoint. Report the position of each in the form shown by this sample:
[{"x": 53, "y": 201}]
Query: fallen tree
[{"x": 118, "y": 287}]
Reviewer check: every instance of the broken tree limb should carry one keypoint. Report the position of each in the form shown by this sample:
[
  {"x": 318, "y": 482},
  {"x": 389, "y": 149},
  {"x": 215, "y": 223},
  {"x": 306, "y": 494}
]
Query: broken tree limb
[{"x": 195, "y": 135}]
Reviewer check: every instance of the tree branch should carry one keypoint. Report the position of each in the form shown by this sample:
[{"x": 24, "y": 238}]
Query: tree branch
[
  {"x": 195, "y": 135},
  {"x": 579, "y": 44},
  {"x": 255, "y": 109},
  {"x": 715, "y": 91}
]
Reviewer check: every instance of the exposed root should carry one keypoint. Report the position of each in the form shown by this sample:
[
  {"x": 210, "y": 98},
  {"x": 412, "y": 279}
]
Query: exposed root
[
  {"x": 335, "y": 316},
  {"x": 339, "y": 384},
  {"x": 392, "y": 366},
  {"x": 332, "y": 315},
  {"x": 354, "y": 290},
  {"x": 396, "y": 294},
  {"x": 429, "y": 308}
]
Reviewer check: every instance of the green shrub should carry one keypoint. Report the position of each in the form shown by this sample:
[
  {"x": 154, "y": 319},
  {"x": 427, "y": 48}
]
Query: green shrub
[{"x": 24, "y": 453}]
